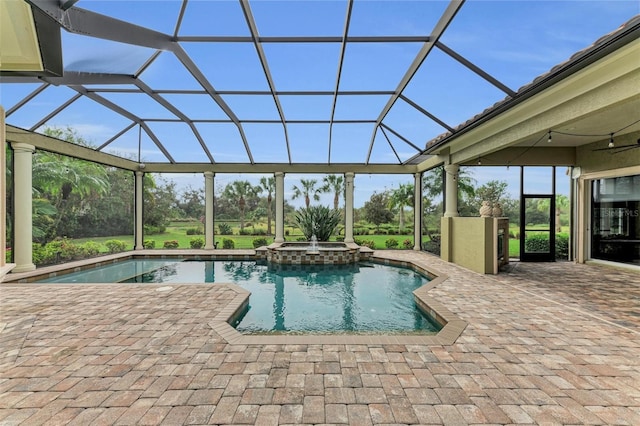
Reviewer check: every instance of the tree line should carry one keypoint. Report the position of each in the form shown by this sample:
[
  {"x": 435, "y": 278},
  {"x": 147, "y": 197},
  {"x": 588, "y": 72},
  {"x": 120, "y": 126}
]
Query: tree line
[{"x": 76, "y": 198}]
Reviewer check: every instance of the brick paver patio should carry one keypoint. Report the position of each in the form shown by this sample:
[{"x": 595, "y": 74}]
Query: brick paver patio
[{"x": 551, "y": 343}]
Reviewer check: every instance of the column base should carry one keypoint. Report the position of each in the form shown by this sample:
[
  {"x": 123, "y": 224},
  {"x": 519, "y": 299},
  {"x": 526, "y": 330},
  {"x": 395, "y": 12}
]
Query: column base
[{"x": 28, "y": 267}]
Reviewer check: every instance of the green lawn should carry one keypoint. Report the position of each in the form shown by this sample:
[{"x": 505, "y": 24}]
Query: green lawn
[{"x": 177, "y": 231}]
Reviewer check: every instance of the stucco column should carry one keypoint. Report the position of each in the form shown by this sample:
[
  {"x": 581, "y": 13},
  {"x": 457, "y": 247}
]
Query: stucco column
[
  {"x": 279, "y": 207},
  {"x": 348, "y": 207},
  {"x": 417, "y": 211},
  {"x": 139, "y": 244},
  {"x": 451, "y": 190},
  {"x": 22, "y": 220},
  {"x": 209, "y": 224}
]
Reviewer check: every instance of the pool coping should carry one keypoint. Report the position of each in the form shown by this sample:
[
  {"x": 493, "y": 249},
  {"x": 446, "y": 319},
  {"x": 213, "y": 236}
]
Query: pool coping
[{"x": 452, "y": 325}]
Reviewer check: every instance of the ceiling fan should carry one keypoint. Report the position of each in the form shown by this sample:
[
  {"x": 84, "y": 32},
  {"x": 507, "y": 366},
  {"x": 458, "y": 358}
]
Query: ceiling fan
[{"x": 619, "y": 148}]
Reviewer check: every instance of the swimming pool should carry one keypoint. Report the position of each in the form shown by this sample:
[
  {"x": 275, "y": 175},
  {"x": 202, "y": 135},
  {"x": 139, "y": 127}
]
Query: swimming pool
[{"x": 359, "y": 298}]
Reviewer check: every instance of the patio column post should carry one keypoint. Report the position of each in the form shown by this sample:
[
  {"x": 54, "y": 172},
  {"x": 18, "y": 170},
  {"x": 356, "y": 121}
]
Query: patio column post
[
  {"x": 279, "y": 207},
  {"x": 139, "y": 237},
  {"x": 348, "y": 207},
  {"x": 417, "y": 211},
  {"x": 22, "y": 215},
  {"x": 451, "y": 190},
  {"x": 209, "y": 224},
  {"x": 3, "y": 197}
]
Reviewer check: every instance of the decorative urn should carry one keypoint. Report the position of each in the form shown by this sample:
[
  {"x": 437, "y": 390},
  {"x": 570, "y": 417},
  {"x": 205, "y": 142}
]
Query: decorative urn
[
  {"x": 497, "y": 210},
  {"x": 485, "y": 210}
]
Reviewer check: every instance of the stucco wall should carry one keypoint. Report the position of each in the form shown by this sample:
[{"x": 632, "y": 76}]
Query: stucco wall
[
  {"x": 469, "y": 242},
  {"x": 595, "y": 161}
]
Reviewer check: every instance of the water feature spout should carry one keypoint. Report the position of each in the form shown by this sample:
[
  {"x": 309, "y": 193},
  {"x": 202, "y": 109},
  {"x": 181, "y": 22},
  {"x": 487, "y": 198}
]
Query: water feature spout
[{"x": 313, "y": 247}]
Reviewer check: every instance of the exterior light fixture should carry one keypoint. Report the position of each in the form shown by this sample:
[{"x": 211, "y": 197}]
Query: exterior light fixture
[
  {"x": 611, "y": 144},
  {"x": 549, "y": 137}
]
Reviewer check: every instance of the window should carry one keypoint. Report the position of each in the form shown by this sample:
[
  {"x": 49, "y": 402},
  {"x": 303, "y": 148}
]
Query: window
[{"x": 616, "y": 219}]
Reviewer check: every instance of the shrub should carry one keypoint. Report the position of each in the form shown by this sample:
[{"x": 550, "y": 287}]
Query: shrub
[
  {"x": 196, "y": 243},
  {"x": 65, "y": 249},
  {"x": 320, "y": 221},
  {"x": 259, "y": 231},
  {"x": 391, "y": 243},
  {"x": 259, "y": 242},
  {"x": 540, "y": 243},
  {"x": 301, "y": 239},
  {"x": 170, "y": 244},
  {"x": 537, "y": 243},
  {"x": 562, "y": 246},
  {"x": 154, "y": 230},
  {"x": 91, "y": 248},
  {"x": 287, "y": 232},
  {"x": 195, "y": 231},
  {"x": 225, "y": 229},
  {"x": 37, "y": 255},
  {"x": 407, "y": 244},
  {"x": 366, "y": 243},
  {"x": 115, "y": 246},
  {"x": 340, "y": 239},
  {"x": 228, "y": 243},
  {"x": 149, "y": 244},
  {"x": 244, "y": 231}
]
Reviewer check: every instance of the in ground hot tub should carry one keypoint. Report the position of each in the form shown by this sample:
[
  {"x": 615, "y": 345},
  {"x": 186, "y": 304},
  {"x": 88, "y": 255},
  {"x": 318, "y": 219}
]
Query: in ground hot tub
[{"x": 321, "y": 253}]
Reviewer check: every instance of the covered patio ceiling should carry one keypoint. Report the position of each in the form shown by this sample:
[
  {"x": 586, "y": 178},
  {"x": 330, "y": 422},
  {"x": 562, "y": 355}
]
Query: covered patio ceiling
[{"x": 329, "y": 85}]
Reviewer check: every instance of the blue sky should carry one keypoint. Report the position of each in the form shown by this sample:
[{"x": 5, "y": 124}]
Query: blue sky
[{"x": 514, "y": 41}]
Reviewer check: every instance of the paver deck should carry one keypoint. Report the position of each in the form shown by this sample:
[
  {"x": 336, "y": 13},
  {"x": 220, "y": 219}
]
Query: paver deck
[{"x": 546, "y": 343}]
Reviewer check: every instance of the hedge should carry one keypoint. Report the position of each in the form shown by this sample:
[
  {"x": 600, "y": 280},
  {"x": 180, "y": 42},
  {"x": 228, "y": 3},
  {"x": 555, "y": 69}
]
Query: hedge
[{"x": 540, "y": 243}]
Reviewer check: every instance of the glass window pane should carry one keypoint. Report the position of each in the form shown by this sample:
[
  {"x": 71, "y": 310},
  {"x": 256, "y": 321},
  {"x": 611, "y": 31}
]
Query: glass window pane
[
  {"x": 538, "y": 180},
  {"x": 537, "y": 213},
  {"x": 615, "y": 219},
  {"x": 536, "y": 242}
]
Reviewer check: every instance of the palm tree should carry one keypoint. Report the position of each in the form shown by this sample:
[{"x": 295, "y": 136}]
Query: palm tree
[
  {"x": 562, "y": 206},
  {"x": 335, "y": 184},
  {"x": 58, "y": 177},
  {"x": 399, "y": 198},
  {"x": 308, "y": 190},
  {"x": 433, "y": 181},
  {"x": 269, "y": 185},
  {"x": 239, "y": 190}
]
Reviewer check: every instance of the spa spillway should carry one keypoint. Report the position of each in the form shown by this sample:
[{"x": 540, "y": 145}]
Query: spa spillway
[{"x": 321, "y": 253}]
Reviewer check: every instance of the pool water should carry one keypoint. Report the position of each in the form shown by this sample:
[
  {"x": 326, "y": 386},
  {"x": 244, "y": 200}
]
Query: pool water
[{"x": 358, "y": 298}]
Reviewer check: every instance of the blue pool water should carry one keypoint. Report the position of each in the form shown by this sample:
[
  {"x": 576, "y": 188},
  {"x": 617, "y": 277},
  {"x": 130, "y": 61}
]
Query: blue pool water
[{"x": 359, "y": 298}]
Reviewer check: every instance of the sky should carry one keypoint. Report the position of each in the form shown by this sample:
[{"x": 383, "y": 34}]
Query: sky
[{"x": 514, "y": 41}]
